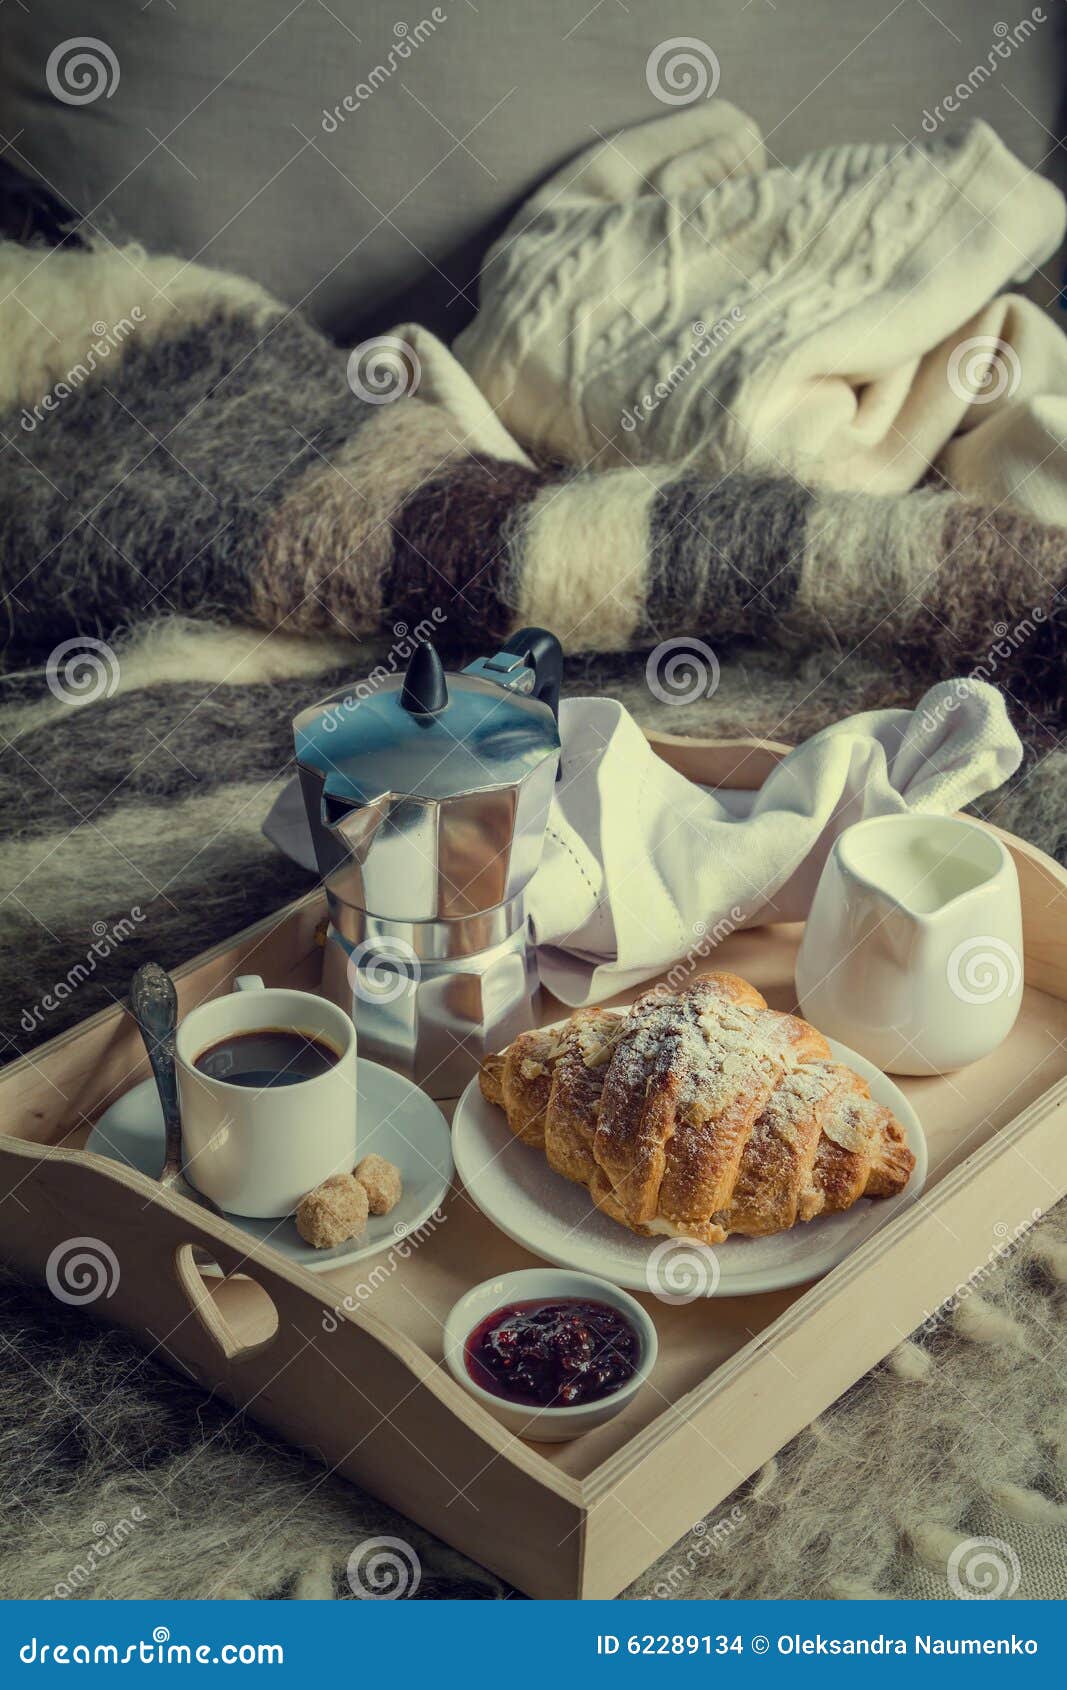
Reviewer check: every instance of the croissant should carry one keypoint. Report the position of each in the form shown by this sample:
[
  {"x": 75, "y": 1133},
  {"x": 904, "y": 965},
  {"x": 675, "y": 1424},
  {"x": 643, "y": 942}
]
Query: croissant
[{"x": 699, "y": 1114}]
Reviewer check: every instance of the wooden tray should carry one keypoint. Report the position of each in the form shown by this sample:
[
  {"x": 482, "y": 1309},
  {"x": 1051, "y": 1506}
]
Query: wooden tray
[{"x": 364, "y": 1390}]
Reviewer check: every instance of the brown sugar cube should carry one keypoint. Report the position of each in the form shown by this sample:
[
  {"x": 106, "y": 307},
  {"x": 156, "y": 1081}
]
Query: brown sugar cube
[
  {"x": 382, "y": 1183},
  {"x": 334, "y": 1211}
]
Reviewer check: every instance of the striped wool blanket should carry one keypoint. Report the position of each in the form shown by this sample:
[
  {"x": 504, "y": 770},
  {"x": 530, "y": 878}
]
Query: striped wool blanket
[{"x": 177, "y": 441}]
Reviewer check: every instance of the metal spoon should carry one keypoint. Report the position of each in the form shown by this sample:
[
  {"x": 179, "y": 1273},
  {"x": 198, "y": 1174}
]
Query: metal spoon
[{"x": 154, "y": 1003}]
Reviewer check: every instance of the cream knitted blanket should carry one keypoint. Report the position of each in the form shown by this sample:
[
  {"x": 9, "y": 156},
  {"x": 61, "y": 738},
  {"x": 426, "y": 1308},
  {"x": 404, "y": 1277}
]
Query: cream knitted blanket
[{"x": 677, "y": 296}]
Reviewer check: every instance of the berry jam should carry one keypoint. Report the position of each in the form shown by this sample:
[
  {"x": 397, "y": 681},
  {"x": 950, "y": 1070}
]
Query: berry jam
[{"x": 553, "y": 1355}]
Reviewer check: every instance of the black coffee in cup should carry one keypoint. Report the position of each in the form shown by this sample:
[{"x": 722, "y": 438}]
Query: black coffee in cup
[{"x": 267, "y": 1056}]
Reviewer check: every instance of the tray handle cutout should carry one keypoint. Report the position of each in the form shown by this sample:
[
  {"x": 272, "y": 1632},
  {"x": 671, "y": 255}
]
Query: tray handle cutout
[{"x": 235, "y": 1311}]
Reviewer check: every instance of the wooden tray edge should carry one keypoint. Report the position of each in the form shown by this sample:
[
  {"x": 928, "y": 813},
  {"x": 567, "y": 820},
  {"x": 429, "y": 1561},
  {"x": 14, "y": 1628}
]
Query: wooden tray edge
[{"x": 246, "y": 1253}]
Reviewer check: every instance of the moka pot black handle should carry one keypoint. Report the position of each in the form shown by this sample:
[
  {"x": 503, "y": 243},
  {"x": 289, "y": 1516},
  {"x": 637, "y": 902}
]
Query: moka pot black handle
[{"x": 544, "y": 655}]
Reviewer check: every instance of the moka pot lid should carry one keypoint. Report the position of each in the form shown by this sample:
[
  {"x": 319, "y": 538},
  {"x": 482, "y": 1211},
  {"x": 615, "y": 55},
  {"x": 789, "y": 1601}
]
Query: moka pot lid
[{"x": 424, "y": 735}]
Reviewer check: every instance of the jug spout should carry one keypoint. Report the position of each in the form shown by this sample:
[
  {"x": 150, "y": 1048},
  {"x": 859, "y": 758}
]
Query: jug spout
[
  {"x": 931, "y": 867},
  {"x": 902, "y": 935}
]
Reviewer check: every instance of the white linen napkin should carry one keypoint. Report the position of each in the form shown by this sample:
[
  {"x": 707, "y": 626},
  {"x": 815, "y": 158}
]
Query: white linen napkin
[{"x": 641, "y": 866}]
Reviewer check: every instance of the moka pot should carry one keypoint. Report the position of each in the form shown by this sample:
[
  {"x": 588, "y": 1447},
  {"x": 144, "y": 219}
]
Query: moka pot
[{"x": 427, "y": 802}]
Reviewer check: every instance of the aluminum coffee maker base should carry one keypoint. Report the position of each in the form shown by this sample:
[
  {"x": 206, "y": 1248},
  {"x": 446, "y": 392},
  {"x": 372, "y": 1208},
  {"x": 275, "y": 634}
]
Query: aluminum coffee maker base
[{"x": 434, "y": 1022}]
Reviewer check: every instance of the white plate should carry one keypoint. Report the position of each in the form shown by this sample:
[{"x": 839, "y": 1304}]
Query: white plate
[
  {"x": 515, "y": 1187},
  {"x": 395, "y": 1118}
]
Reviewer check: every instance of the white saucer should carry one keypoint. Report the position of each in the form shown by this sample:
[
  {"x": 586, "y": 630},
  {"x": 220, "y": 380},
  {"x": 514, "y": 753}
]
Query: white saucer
[
  {"x": 396, "y": 1119},
  {"x": 514, "y": 1186}
]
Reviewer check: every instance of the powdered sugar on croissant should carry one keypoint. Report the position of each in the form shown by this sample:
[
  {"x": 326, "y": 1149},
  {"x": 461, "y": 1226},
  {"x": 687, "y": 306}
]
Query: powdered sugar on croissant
[{"x": 700, "y": 1114}]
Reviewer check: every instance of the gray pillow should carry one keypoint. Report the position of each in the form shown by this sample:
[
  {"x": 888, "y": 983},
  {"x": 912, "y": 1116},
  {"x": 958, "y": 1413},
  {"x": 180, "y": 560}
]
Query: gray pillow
[{"x": 360, "y": 166}]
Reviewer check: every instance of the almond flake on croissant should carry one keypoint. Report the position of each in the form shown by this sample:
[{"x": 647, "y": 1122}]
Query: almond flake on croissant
[{"x": 700, "y": 1114}]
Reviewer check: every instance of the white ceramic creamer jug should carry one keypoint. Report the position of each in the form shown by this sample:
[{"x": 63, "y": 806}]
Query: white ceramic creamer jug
[{"x": 912, "y": 953}]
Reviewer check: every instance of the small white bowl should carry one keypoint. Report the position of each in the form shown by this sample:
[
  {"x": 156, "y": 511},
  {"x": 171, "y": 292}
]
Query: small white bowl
[{"x": 546, "y": 1425}]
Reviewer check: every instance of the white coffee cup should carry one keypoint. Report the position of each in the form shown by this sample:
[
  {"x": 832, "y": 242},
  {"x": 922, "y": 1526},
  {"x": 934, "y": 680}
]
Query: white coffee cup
[
  {"x": 258, "y": 1151},
  {"x": 913, "y": 949}
]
